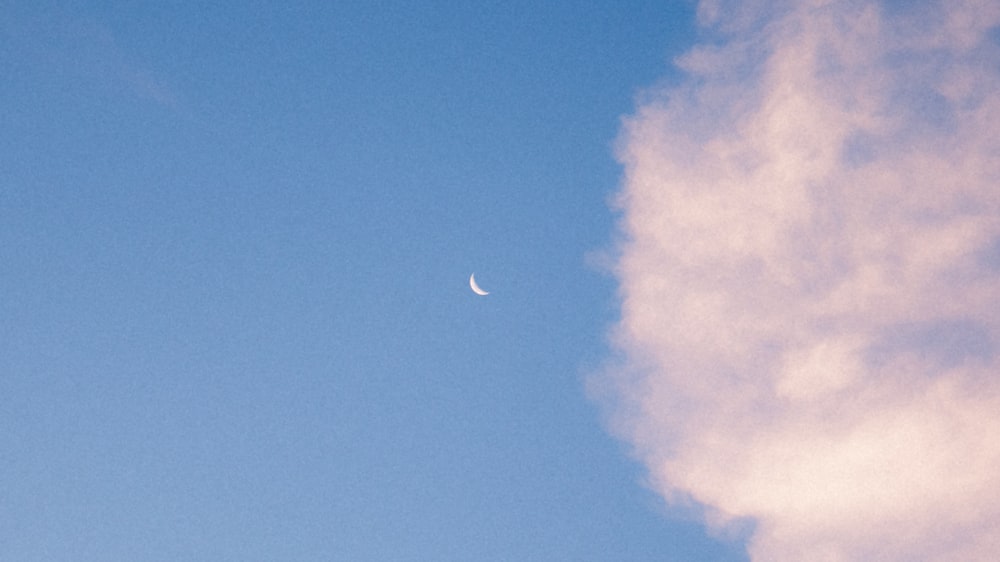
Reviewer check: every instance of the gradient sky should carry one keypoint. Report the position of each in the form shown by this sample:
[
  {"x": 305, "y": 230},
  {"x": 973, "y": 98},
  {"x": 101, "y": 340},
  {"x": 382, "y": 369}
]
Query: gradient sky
[
  {"x": 743, "y": 257},
  {"x": 235, "y": 242}
]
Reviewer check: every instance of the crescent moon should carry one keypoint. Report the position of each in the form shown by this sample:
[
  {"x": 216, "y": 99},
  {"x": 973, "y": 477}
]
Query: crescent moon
[{"x": 475, "y": 287}]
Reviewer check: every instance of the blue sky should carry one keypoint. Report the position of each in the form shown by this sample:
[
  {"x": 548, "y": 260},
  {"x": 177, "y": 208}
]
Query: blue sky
[{"x": 235, "y": 321}]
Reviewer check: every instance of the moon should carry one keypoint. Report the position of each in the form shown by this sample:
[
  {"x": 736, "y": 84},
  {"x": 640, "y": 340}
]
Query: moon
[{"x": 475, "y": 287}]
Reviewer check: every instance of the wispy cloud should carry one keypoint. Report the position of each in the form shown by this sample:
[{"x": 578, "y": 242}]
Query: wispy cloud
[
  {"x": 81, "y": 51},
  {"x": 810, "y": 277}
]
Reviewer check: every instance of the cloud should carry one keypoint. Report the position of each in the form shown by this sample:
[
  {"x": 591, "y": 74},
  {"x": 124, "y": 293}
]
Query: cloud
[
  {"x": 81, "y": 51},
  {"x": 809, "y": 272}
]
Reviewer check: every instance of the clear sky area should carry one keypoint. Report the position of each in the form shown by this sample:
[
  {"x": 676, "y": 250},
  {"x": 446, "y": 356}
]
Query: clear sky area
[
  {"x": 743, "y": 260},
  {"x": 235, "y": 318}
]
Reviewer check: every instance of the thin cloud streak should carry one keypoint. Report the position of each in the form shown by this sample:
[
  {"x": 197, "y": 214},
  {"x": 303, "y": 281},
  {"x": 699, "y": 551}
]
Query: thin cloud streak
[
  {"x": 809, "y": 274},
  {"x": 83, "y": 51}
]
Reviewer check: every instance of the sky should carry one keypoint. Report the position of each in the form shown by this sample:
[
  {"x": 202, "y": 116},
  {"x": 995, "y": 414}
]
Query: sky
[
  {"x": 742, "y": 260},
  {"x": 235, "y": 313}
]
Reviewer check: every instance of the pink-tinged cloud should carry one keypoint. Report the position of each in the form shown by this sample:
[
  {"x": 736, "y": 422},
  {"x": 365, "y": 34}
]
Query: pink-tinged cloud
[{"x": 809, "y": 273}]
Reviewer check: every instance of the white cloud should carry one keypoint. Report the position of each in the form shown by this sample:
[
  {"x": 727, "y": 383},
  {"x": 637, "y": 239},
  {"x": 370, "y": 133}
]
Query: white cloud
[{"x": 810, "y": 282}]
